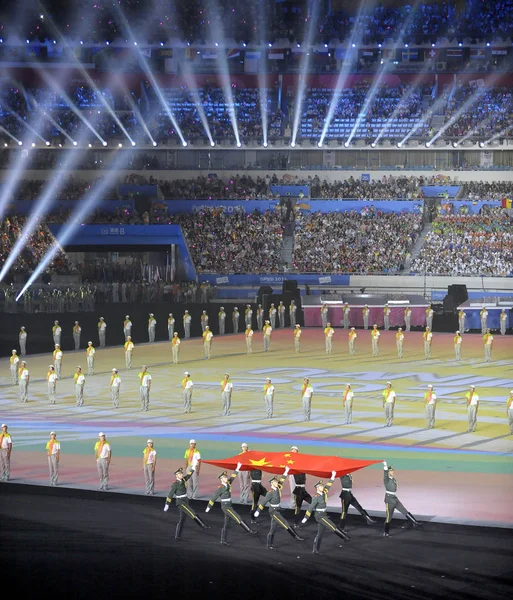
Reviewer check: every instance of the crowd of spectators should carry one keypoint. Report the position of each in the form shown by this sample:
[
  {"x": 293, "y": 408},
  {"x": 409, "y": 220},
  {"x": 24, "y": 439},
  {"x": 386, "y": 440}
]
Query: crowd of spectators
[
  {"x": 235, "y": 242},
  {"x": 487, "y": 190},
  {"x": 369, "y": 241},
  {"x": 473, "y": 245}
]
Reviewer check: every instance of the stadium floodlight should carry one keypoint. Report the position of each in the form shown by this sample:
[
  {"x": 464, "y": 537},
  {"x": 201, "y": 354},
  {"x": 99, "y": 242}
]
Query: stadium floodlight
[
  {"x": 373, "y": 145},
  {"x": 319, "y": 144},
  {"x": 239, "y": 144},
  {"x": 455, "y": 144},
  {"x": 154, "y": 143},
  {"x": 265, "y": 144},
  {"x": 292, "y": 144},
  {"x": 184, "y": 144},
  {"x": 212, "y": 143}
]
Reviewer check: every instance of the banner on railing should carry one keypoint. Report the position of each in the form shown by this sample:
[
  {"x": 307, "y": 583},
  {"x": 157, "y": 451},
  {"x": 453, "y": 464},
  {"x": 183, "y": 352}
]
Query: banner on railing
[{"x": 276, "y": 279}]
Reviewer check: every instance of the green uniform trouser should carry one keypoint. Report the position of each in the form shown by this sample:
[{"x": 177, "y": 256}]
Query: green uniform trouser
[
  {"x": 323, "y": 523},
  {"x": 185, "y": 510}
]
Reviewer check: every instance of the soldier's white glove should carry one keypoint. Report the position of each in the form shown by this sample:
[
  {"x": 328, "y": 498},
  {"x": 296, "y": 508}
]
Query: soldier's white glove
[
  {"x": 304, "y": 520},
  {"x": 256, "y": 513},
  {"x": 207, "y": 509},
  {"x": 333, "y": 474},
  {"x": 237, "y": 468},
  {"x": 287, "y": 469},
  {"x": 385, "y": 466},
  {"x": 166, "y": 507}
]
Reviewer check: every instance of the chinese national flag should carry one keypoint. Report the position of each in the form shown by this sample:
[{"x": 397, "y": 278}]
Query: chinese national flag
[{"x": 275, "y": 462}]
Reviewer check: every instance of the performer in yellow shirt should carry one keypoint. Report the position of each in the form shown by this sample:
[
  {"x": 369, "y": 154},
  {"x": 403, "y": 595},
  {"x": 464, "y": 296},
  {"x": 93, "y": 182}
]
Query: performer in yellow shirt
[
  {"x": 328, "y": 334},
  {"x": 399, "y": 340},
  {"x": 297, "y": 338},
  {"x": 457, "y": 344},
  {"x": 129, "y": 350},
  {"x": 352, "y": 339}
]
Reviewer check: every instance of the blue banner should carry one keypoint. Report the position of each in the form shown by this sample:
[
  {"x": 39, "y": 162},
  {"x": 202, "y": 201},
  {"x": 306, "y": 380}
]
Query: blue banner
[
  {"x": 192, "y": 206},
  {"x": 466, "y": 207},
  {"x": 290, "y": 190},
  {"x": 276, "y": 279},
  {"x": 131, "y": 235},
  {"x": 439, "y": 191}
]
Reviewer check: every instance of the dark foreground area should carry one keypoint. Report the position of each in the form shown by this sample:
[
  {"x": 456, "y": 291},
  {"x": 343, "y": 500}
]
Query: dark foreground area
[{"x": 79, "y": 544}]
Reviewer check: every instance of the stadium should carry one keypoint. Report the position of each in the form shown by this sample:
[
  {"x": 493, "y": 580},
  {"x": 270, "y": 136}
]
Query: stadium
[{"x": 273, "y": 239}]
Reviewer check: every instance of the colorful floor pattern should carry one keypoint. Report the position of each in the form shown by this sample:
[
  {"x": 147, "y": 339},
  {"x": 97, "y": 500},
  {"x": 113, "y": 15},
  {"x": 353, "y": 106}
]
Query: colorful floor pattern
[{"x": 445, "y": 474}]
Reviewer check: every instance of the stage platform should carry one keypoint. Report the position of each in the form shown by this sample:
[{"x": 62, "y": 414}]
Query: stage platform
[
  {"x": 397, "y": 303},
  {"x": 446, "y": 458}
]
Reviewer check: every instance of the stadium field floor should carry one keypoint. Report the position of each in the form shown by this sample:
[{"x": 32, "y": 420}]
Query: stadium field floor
[{"x": 444, "y": 474}]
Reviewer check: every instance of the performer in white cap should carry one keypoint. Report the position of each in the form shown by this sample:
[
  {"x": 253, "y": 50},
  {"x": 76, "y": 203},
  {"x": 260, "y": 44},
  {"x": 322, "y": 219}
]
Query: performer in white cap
[
  {"x": 149, "y": 465},
  {"x": 56, "y": 332},
  {"x": 24, "y": 379},
  {"x": 103, "y": 454},
  {"x": 269, "y": 397},
  {"x": 235, "y": 319},
  {"x": 503, "y": 321},
  {"x": 23, "y": 341},
  {"x": 430, "y": 403},
  {"x": 352, "y": 335},
  {"x": 389, "y": 398},
  {"x": 187, "y": 389},
  {"x": 53, "y": 451},
  {"x": 204, "y": 321},
  {"x": 5, "y": 453},
  {"x": 51, "y": 377},
  {"x": 145, "y": 387},
  {"x": 170, "y": 326},
  {"x": 221, "y": 316},
  {"x": 260, "y": 317},
  {"x": 297, "y": 338},
  {"x": 127, "y": 327},
  {"x": 226, "y": 395},
  {"x": 77, "y": 330},
  {"x": 14, "y": 361},
  {"x": 281, "y": 314},
  {"x": 129, "y": 352},
  {"x": 292, "y": 313},
  {"x": 152, "y": 323},
  {"x": 472, "y": 407},
  {"x": 407, "y": 318},
  {"x": 267, "y": 331},
  {"x": 375, "y": 340},
  {"x": 488, "y": 343},
  {"x": 207, "y": 343},
  {"x": 245, "y": 479},
  {"x": 79, "y": 379},
  {"x": 272, "y": 315},
  {"x": 192, "y": 459},
  {"x": 509, "y": 411},
  {"x": 248, "y": 334},
  {"x": 484, "y": 319},
  {"x": 461, "y": 321},
  {"x": 187, "y": 324},
  {"x": 365, "y": 314},
  {"x": 175, "y": 347},
  {"x": 57, "y": 360},
  {"x": 399, "y": 342},
  {"x": 102, "y": 332},
  {"x": 457, "y": 344},
  {"x": 115, "y": 385},
  {"x": 428, "y": 337},
  {"x": 347, "y": 403},
  {"x": 90, "y": 352}
]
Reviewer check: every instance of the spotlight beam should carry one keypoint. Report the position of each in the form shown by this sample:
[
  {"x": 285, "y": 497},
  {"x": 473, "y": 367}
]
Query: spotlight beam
[
  {"x": 305, "y": 64},
  {"x": 82, "y": 209},
  {"x": 193, "y": 89}
]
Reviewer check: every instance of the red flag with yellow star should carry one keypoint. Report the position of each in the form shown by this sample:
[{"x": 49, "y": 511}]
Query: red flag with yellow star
[{"x": 275, "y": 462}]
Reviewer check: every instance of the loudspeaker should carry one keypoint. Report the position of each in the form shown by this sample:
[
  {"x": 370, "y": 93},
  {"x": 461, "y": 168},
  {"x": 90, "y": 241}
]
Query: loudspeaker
[
  {"x": 265, "y": 289},
  {"x": 449, "y": 304},
  {"x": 458, "y": 292},
  {"x": 289, "y": 287}
]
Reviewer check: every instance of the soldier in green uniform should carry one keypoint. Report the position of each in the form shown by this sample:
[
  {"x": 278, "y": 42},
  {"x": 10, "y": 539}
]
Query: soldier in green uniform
[
  {"x": 392, "y": 502},
  {"x": 347, "y": 498},
  {"x": 273, "y": 498},
  {"x": 179, "y": 491},
  {"x": 300, "y": 495},
  {"x": 224, "y": 494},
  {"x": 318, "y": 506},
  {"x": 257, "y": 490}
]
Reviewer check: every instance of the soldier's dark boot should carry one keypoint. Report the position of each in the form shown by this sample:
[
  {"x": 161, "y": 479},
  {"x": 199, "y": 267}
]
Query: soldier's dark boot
[
  {"x": 387, "y": 529},
  {"x": 178, "y": 532},
  {"x": 247, "y": 528},
  {"x": 413, "y": 520},
  {"x": 200, "y": 523},
  {"x": 368, "y": 518},
  {"x": 270, "y": 540},
  {"x": 295, "y": 535},
  {"x": 316, "y": 546},
  {"x": 223, "y": 537},
  {"x": 342, "y": 525},
  {"x": 342, "y": 534}
]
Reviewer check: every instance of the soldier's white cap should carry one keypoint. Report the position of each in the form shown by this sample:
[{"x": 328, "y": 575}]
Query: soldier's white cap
[
  {"x": 127, "y": 316},
  {"x": 192, "y": 441},
  {"x": 244, "y": 445},
  {"x": 430, "y": 386},
  {"x": 52, "y": 433},
  {"x": 186, "y": 373},
  {"x": 149, "y": 442},
  {"x": 473, "y": 387},
  {"x": 294, "y": 448},
  {"x": 101, "y": 434}
]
